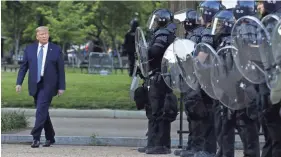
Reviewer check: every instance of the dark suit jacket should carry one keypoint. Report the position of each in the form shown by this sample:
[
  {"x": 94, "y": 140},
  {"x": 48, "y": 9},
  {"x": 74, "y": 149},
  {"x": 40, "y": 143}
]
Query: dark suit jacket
[{"x": 54, "y": 75}]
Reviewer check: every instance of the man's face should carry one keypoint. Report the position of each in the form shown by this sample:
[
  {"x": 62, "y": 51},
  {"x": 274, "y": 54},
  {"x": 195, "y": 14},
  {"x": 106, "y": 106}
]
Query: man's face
[
  {"x": 42, "y": 37},
  {"x": 260, "y": 7}
]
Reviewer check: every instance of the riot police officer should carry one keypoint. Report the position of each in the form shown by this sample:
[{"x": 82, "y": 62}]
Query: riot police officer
[
  {"x": 244, "y": 120},
  {"x": 193, "y": 107},
  {"x": 193, "y": 28},
  {"x": 198, "y": 102},
  {"x": 192, "y": 32},
  {"x": 270, "y": 118},
  {"x": 159, "y": 131},
  {"x": 129, "y": 45}
]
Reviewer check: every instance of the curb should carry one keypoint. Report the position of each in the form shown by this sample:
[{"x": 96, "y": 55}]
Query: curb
[
  {"x": 96, "y": 141},
  {"x": 74, "y": 113}
]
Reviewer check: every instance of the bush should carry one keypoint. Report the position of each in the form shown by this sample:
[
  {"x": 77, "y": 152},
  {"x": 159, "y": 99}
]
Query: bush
[{"x": 13, "y": 121}]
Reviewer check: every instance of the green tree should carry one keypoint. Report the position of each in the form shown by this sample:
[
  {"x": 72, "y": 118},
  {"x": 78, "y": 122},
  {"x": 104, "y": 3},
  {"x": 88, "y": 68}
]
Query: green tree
[
  {"x": 13, "y": 22},
  {"x": 67, "y": 23}
]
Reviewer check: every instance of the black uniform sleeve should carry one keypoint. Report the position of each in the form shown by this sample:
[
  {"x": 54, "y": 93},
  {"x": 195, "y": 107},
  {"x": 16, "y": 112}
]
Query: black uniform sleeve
[
  {"x": 125, "y": 44},
  {"x": 158, "y": 47}
]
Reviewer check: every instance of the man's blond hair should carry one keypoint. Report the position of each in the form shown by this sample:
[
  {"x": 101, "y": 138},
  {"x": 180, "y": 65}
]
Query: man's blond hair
[{"x": 42, "y": 28}]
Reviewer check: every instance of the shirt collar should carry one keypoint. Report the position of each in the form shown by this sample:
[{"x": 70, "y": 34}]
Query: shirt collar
[{"x": 45, "y": 46}]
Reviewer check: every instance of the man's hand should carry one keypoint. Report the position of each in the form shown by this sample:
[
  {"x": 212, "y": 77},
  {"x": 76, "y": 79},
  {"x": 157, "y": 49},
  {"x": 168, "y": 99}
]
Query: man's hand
[
  {"x": 18, "y": 88},
  {"x": 60, "y": 92}
]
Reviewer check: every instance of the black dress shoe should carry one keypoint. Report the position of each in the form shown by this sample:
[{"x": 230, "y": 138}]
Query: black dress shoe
[
  {"x": 35, "y": 144},
  {"x": 48, "y": 143}
]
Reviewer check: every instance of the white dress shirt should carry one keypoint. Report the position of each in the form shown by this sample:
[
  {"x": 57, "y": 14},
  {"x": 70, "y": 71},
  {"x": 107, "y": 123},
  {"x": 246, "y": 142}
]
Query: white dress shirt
[{"x": 45, "y": 49}]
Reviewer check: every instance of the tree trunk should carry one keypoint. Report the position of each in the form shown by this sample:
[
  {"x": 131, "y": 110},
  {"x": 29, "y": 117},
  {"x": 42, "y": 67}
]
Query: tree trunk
[
  {"x": 17, "y": 42},
  {"x": 63, "y": 48},
  {"x": 175, "y": 6},
  {"x": 113, "y": 42}
]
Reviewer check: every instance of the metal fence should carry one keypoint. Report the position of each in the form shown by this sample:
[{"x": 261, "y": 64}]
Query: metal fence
[{"x": 100, "y": 63}]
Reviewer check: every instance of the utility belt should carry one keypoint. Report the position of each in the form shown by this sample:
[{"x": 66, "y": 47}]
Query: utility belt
[{"x": 153, "y": 72}]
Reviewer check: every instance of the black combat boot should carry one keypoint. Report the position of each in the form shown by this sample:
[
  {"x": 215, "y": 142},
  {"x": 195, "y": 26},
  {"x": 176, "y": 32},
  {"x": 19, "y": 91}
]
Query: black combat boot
[{"x": 158, "y": 150}]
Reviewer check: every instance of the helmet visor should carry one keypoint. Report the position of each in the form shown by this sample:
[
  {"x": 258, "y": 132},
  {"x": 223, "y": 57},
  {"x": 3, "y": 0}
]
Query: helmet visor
[{"x": 152, "y": 23}]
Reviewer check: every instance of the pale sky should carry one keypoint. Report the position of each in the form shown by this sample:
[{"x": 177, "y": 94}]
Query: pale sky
[{"x": 229, "y": 3}]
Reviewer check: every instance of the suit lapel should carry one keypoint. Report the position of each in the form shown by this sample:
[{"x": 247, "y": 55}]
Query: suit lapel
[
  {"x": 34, "y": 53},
  {"x": 49, "y": 53}
]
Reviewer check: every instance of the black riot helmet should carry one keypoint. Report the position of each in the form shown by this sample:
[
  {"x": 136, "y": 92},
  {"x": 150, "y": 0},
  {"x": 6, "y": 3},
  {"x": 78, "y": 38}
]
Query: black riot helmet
[
  {"x": 160, "y": 18},
  {"x": 191, "y": 19},
  {"x": 134, "y": 24},
  {"x": 208, "y": 9},
  {"x": 223, "y": 22},
  {"x": 244, "y": 8}
]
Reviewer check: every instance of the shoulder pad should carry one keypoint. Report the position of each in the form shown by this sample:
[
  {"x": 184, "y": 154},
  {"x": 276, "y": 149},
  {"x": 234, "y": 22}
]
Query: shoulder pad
[
  {"x": 198, "y": 30},
  {"x": 207, "y": 37},
  {"x": 195, "y": 35},
  {"x": 206, "y": 31},
  {"x": 162, "y": 32}
]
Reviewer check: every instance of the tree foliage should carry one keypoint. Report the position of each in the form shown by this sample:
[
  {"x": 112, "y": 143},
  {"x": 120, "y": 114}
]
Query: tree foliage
[{"x": 72, "y": 22}]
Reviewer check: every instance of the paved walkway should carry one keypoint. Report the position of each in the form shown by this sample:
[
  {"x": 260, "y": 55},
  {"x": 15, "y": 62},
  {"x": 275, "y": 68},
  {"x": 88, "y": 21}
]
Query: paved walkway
[
  {"x": 99, "y": 127},
  {"x": 9, "y": 150},
  {"x": 103, "y": 127}
]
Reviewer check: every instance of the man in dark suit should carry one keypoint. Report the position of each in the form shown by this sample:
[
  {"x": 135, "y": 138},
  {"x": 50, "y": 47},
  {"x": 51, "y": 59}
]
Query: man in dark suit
[{"x": 46, "y": 79}]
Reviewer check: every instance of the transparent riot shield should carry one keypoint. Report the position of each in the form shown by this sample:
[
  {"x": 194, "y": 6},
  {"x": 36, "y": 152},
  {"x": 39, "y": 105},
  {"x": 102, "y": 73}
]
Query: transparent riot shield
[
  {"x": 203, "y": 57},
  {"x": 270, "y": 21},
  {"x": 183, "y": 49},
  {"x": 276, "y": 43},
  {"x": 141, "y": 50},
  {"x": 252, "y": 40},
  {"x": 230, "y": 87},
  {"x": 135, "y": 81},
  {"x": 171, "y": 71},
  {"x": 275, "y": 95}
]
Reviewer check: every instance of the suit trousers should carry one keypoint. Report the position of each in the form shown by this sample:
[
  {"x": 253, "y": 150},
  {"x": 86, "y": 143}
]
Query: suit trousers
[{"x": 42, "y": 100}]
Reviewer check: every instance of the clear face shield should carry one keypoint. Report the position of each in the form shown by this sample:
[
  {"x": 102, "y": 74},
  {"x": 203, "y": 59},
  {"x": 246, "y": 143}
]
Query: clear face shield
[
  {"x": 207, "y": 10},
  {"x": 152, "y": 23},
  {"x": 217, "y": 26},
  {"x": 221, "y": 26}
]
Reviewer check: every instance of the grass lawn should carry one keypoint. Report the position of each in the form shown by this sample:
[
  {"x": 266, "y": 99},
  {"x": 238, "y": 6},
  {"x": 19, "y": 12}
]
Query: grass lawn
[{"x": 83, "y": 91}]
